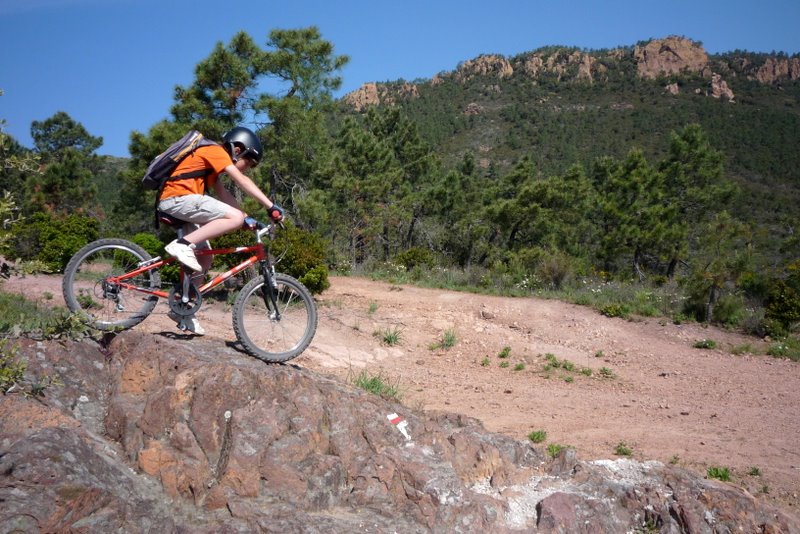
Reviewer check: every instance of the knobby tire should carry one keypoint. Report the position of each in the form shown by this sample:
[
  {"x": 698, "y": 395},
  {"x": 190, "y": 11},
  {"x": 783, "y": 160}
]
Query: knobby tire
[
  {"x": 108, "y": 307},
  {"x": 263, "y": 335}
]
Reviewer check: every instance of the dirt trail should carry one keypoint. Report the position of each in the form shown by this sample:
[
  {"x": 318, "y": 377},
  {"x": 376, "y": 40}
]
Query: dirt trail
[{"x": 648, "y": 388}]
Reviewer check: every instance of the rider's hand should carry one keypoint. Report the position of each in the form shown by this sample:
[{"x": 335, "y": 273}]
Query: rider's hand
[
  {"x": 275, "y": 213},
  {"x": 250, "y": 223}
]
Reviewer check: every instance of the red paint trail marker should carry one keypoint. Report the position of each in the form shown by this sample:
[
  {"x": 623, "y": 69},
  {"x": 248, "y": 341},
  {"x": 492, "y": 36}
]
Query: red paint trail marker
[{"x": 400, "y": 423}]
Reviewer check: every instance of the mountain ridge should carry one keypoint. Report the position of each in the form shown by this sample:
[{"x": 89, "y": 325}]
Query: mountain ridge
[{"x": 673, "y": 55}]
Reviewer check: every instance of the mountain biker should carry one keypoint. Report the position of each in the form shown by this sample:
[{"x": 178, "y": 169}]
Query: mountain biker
[{"x": 207, "y": 217}]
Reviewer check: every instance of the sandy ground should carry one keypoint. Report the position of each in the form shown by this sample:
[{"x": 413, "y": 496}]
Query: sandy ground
[{"x": 649, "y": 388}]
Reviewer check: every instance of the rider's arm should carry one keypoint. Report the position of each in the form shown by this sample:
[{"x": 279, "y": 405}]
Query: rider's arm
[
  {"x": 224, "y": 195},
  {"x": 247, "y": 185}
]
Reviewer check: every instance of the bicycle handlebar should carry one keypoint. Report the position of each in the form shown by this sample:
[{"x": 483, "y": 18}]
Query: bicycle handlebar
[
  {"x": 261, "y": 228},
  {"x": 252, "y": 224}
]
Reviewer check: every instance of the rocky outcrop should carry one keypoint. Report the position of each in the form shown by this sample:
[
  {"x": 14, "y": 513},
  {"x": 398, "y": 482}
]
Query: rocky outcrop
[
  {"x": 775, "y": 70},
  {"x": 373, "y": 94},
  {"x": 720, "y": 89},
  {"x": 488, "y": 65},
  {"x": 672, "y": 88},
  {"x": 559, "y": 62},
  {"x": 473, "y": 109},
  {"x": 669, "y": 56},
  {"x": 659, "y": 57},
  {"x": 166, "y": 435},
  {"x": 363, "y": 97}
]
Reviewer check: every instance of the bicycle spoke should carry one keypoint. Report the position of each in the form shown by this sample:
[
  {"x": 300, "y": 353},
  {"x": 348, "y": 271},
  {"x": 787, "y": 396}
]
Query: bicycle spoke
[
  {"x": 275, "y": 336},
  {"x": 89, "y": 291}
]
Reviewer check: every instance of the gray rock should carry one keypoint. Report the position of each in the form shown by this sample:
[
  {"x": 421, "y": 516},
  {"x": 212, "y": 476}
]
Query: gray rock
[{"x": 161, "y": 435}]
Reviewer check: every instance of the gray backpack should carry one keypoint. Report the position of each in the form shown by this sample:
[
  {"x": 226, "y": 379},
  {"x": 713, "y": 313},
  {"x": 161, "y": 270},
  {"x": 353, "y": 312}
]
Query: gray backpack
[{"x": 161, "y": 168}]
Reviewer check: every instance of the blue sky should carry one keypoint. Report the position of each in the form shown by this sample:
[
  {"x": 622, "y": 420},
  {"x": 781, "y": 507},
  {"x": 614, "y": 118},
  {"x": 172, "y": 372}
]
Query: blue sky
[{"x": 112, "y": 65}]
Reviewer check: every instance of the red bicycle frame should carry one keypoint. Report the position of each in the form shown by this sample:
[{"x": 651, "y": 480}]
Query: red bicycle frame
[{"x": 259, "y": 254}]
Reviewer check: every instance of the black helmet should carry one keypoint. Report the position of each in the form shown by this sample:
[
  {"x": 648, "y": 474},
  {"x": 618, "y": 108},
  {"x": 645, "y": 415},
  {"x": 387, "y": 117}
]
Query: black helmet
[{"x": 246, "y": 140}]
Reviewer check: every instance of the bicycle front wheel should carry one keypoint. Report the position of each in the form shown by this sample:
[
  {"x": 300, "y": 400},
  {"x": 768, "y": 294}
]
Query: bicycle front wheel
[
  {"x": 270, "y": 336},
  {"x": 89, "y": 291}
]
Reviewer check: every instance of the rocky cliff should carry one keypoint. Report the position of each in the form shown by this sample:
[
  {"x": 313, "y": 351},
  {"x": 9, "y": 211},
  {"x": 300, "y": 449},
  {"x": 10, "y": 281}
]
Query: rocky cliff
[
  {"x": 155, "y": 434},
  {"x": 654, "y": 59}
]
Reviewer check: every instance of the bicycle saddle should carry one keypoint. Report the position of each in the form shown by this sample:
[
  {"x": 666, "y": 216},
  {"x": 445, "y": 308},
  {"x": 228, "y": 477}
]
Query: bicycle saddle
[{"x": 166, "y": 218}]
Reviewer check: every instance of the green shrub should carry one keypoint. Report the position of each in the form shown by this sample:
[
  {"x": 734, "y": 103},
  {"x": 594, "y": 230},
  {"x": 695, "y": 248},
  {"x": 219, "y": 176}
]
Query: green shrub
[
  {"x": 447, "y": 341},
  {"x": 783, "y": 303},
  {"x": 615, "y": 310},
  {"x": 729, "y": 311},
  {"x": 622, "y": 450},
  {"x": 415, "y": 257},
  {"x": 754, "y": 285},
  {"x": 554, "y": 268},
  {"x": 52, "y": 240},
  {"x": 12, "y": 371},
  {"x": 302, "y": 255},
  {"x": 150, "y": 243},
  {"x": 705, "y": 344},
  {"x": 774, "y": 328},
  {"x": 390, "y": 336},
  {"x": 316, "y": 279},
  {"x": 788, "y": 347},
  {"x": 19, "y": 315},
  {"x": 720, "y": 473},
  {"x": 537, "y": 436}
]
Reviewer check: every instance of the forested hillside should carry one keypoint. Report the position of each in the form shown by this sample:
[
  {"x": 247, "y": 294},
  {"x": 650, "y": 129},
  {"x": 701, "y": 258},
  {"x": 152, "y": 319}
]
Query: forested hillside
[
  {"x": 560, "y": 106},
  {"x": 556, "y": 169}
]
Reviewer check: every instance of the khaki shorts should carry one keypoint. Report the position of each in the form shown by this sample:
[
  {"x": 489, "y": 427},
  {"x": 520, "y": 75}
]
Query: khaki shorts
[{"x": 195, "y": 210}]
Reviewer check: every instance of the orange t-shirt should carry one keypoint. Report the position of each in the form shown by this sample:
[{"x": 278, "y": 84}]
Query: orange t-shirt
[{"x": 206, "y": 157}]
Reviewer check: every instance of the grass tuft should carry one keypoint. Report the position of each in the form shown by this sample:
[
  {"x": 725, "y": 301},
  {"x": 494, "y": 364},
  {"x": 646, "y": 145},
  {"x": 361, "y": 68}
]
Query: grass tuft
[{"x": 377, "y": 384}]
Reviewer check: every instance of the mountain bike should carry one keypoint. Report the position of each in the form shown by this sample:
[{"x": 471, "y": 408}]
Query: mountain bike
[{"x": 115, "y": 284}]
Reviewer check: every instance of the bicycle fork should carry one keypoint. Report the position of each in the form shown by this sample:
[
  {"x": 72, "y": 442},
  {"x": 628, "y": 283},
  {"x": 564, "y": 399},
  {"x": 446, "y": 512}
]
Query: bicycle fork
[{"x": 269, "y": 292}]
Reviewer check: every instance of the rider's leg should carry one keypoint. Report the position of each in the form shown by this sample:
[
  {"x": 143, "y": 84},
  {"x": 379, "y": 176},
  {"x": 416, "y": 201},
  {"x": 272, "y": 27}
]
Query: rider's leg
[
  {"x": 214, "y": 218},
  {"x": 232, "y": 220}
]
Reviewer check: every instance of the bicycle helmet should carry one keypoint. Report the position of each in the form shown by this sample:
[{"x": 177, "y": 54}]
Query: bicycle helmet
[{"x": 248, "y": 143}]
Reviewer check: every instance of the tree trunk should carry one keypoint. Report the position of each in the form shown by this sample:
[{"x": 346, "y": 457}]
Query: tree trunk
[
  {"x": 637, "y": 264},
  {"x": 673, "y": 264},
  {"x": 712, "y": 300}
]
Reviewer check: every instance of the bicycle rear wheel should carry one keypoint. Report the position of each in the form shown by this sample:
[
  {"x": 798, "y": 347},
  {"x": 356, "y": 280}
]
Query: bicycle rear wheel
[
  {"x": 105, "y": 305},
  {"x": 261, "y": 332}
]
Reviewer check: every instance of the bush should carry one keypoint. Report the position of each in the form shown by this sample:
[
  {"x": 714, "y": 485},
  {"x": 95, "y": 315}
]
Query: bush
[
  {"x": 415, "y": 257},
  {"x": 12, "y": 371},
  {"x": 302, "y": 256},
  {"x": 52, "y": 240},
  {"x": 788, "y": 347},
  {"x": 554, "y": 268},
  {"x": 240, "y": 238},
  {"x": 720, "y": 473},
  {"x": 19, "y": 315},
  {"x": 316, "y": 279},
  {"x": 783, "y": 304},
  {"x": 729, "y": 311},
  {"x": 150, "y": 243},
  {"x": 615, "y": 310}
]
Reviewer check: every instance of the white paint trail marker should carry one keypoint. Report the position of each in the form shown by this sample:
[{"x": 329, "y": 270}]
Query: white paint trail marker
[{"x": 400, "y": 423}]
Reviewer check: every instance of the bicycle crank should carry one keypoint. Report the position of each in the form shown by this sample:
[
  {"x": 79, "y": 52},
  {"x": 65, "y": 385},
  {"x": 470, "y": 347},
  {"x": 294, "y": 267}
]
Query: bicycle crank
[{"x": 184, "y": 306}]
